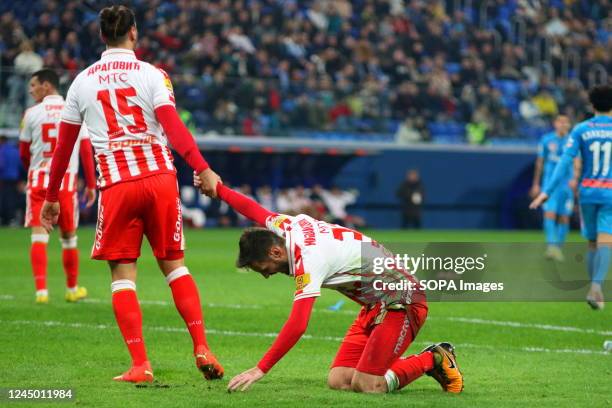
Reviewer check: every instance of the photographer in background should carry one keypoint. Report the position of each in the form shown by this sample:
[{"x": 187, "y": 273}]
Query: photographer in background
[{"x": 411, "y": 194}]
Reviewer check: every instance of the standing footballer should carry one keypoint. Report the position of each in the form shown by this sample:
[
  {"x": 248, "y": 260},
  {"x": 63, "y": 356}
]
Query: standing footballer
[
  {"x": 129, "y": 108},
  {"x": 37, "y": 141},
  {"x": 592, "y": 139},
  {"x": 318, "y": 254},
  {"x": 558, "y": 209}
]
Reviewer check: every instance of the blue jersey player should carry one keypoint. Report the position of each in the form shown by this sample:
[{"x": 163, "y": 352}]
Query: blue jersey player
[
  {"x": 558, "y": 208},
  {"x": 592, "y": 139}
]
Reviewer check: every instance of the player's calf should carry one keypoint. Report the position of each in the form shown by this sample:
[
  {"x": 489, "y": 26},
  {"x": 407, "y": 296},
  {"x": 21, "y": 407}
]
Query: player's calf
[{"x": 38, "y": 260}]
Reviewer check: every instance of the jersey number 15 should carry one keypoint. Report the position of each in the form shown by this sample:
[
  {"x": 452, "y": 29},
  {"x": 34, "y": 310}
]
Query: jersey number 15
[{"x": 124, "y": 109}]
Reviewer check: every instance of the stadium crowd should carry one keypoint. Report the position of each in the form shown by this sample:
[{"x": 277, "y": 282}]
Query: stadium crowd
[{"x": 413, "y": 68}]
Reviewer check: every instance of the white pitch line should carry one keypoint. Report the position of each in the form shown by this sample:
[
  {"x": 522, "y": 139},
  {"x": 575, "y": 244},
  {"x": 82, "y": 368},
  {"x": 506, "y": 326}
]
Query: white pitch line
[
  {"x": 522, "y": 325},
  {"x": 51, "y": 323},
  {"x": 167, "y": 303},
  {"x": 468, "y": 320}
]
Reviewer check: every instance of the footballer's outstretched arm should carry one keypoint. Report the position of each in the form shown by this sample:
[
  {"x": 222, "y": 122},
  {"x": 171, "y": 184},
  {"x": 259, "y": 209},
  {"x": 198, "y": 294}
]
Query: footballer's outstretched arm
[
  {"x": 183, "y": 143},
  {"x": 292, "y": 331},
  {"x": 244, "y": 205}
]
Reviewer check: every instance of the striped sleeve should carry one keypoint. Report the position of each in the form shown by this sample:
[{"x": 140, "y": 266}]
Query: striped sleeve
[
  {"x": 163, "y": 93},
  {"x": 309, "y": 273}
]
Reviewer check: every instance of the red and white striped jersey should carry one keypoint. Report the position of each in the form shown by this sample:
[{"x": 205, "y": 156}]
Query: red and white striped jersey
[
  {"x": 324, "y": 255},
  {"x": 117, "y": 97},
  {"x": 39, "y": 127}
]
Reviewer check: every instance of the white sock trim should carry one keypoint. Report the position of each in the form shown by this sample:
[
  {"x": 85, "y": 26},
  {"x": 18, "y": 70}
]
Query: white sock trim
[
  {"x": 44, "y": 238},
  {"x": 123, "y": 284},
  {"x": 69, "y": 243},
  {"x": 177, "y": 273},
  {"x": 42, "y": 292},
  {"x": 392, "y": 381}
]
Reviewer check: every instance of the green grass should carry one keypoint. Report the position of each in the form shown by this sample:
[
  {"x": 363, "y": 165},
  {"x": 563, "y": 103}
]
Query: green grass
[{"x": 498, "y": 369}]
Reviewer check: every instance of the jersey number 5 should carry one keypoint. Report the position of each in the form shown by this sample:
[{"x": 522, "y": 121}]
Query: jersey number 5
[
  {"x": 124, "y": 109},
  {"x": 49, "y": 135}
]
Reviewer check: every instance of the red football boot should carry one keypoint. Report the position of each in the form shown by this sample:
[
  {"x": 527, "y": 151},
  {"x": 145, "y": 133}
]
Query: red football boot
[
  {"x": 137, "y": 374},
  {"x": 207, "y": 363}
]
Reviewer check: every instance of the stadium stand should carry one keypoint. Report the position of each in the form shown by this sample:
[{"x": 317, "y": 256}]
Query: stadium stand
[{"x": 460, "y": 71}]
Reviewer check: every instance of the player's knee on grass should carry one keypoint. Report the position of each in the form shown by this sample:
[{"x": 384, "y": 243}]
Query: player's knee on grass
[
  {"x": 363, "y": 382},
  {"x": 339, "y": 378}
]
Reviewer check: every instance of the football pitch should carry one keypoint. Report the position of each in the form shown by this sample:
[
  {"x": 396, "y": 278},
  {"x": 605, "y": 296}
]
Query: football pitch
[{"x": 511, "y": 354}]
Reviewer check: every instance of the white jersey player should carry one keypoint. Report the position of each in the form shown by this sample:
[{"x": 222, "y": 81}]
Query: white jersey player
[
  {"x": 129, "y": 109},
  {"x": 322, "y": 255},
  {"x": 38, "y": 139}
]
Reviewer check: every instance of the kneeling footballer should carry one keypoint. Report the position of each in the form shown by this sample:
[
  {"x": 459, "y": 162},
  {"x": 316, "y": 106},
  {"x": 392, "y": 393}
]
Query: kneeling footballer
[{"x": 322, "y": 255}]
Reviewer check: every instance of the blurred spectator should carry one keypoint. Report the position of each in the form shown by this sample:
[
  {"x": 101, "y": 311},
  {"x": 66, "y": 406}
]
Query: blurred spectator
[
  {"x": 9, "y": 181},
  {"x": 546, "y": 104},
  {"x": 26, "y": 63},
  {"x": 479, "y": 125},
  {"x": 265, "y": 197},
  {"x": 407, "y": 133},
  {"x": 336, "y": 201},
  {"x": 411, "y": 194}
]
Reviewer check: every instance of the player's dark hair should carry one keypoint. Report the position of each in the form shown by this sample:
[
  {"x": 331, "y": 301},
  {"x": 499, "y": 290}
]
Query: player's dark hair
[
  {"x": 47, "y": 75},
  {"x": 601, "y": 98},
  {"x": 255, "y": 243},
  {"x": 115, "y": 22}
]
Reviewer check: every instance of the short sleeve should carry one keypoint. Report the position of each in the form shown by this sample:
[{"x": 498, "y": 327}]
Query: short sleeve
[
  {"x": 309, "y": 273},
  {"x": 72, "y": 112},
  {"x": 25, "y": 129},
  {"x": 163, "y": 93},
  {"x": 84, "y": 132},
  {"x": 279, "y": 224},
  {"x": 572, "y": 147},
  {"x": 541, "y": 148}
]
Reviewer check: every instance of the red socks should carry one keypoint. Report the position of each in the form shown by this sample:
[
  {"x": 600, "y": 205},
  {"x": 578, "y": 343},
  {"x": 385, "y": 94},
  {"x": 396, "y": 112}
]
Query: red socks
[
  {"x": 407, "y": 369},
  {"x": 129, "y": 318},
  {"x": 38, "y": 259},
  {"x": 187, "y": 301},
  {"x": 70, "y": 259}
]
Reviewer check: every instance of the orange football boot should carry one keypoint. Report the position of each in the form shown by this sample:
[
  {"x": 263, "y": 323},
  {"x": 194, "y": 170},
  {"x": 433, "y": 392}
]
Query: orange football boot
[
  {"x": 137, "y": 374},
  {"x": 207, "y": 363},
  {"x": 445, "y": 370}
]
